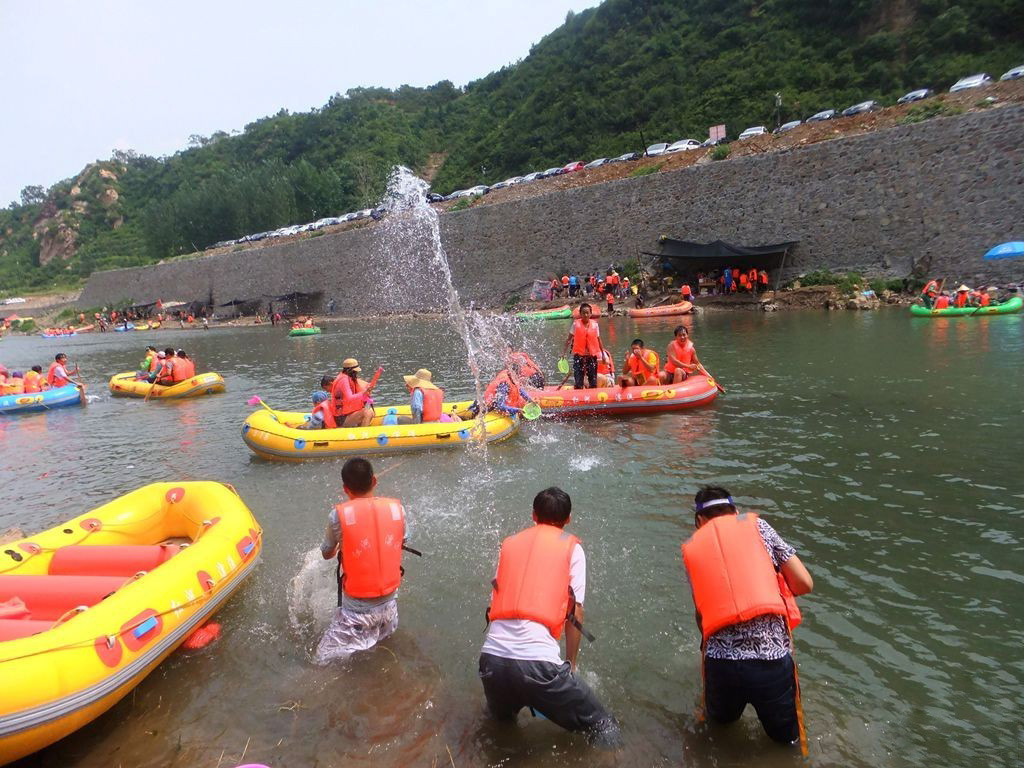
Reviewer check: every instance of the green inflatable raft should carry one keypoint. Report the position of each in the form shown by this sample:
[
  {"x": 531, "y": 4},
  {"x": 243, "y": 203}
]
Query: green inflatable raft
[
  {"x": 546, "y": 314},
  {"x": 304, "y": 331},
  {"x": 1006, "y": 308}
]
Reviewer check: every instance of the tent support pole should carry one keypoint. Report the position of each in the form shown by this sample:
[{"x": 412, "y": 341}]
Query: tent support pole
[{"x": 778, "y": 275}]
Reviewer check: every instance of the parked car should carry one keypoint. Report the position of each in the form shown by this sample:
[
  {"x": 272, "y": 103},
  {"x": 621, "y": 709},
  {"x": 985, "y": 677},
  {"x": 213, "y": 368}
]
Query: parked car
[
  {"x": 920, "y": 93},
  {"x": 597, "y": 163},
  {"x": 656, "y": 149},
  {"x": 550, "y": 172},
  {"x": 625, "y": 157},
  {"x": 825, "y": 114},
  {"x": 862, "y": 108},
  {"x": 532, "y": 176},
  {"x": 20, "y": 300},
  {"x": 757, "y": 130},
  {"x": 1013, "y": 74},
  {"x": 479, "y": 189},
  {"x": 434, "y": 197},
  {"x": 683, "y": 145},
  {"x": 788, "y": 126},
  {"x": 220, "y": 244},
  {"x": 507, "y": 182},
  {"x": 974, "y": 81},
  {"x": 575, "y": 165},
  {"x": 713, "y": 142}
]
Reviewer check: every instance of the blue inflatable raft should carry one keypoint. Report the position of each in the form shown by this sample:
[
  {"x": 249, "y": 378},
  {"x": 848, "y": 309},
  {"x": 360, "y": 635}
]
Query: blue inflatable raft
[{"x": 41, "y": 401}]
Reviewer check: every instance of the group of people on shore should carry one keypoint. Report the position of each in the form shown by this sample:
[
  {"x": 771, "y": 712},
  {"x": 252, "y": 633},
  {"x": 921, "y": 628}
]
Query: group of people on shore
[
  {"x": 612, "y": 285},
  {"x": 166, "y": 368},
  {"x": 742, "y": 576},
  {"x": 933, "y": 297},
  {"x": 594, "y": 367},
  {"x": 34, "y": 380}
]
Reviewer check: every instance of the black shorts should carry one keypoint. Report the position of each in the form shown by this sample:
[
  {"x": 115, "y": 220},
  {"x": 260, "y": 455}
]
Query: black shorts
[
  {"x": 550, "y": 690},
  {"x": 770, "y": 686}
]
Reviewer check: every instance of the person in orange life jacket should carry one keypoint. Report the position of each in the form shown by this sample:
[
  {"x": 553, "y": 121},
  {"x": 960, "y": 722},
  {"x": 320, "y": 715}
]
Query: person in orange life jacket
[
  {"x": 929, "y": 293},
  {"x": 686, "y": 293},
  {"x": 366, "y": 534},
  {"x": 585, "y": 340},
  {"x": 322, "y": 416},
  {"x": 984, "y": 299},
  {"x": 184, "y": 368},
  {"x": 505, "y": 393},
  {"x": 680, "y": 358},
  {"x": 762, "y": 279},
  {"x": 942, "y": 302},
  {"x": 609, "y": 297},
  {"x": 164, "y": 374},
  {"x": 605, "y": 370},
  {"x": 538, "y": 590},
  {"x": 733, "y": 563},
  {"x": 426, "y": 401},
  {"x": 353, "y": 406},
  {"x": 961, "y": 296},
  {"x": 641, "y": 366},
  {"x": 58, "y": 374},
  {"x": 529, "y": 371},
  {"x": 34, "y": 381}
]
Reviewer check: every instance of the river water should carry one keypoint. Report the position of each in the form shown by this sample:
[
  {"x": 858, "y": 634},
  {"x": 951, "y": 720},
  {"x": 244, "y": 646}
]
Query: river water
[{"x": 885, "y": 449}]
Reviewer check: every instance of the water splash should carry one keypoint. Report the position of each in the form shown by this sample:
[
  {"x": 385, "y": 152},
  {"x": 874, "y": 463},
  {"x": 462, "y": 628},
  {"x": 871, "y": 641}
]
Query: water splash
[{"x": 312, "y": 593}]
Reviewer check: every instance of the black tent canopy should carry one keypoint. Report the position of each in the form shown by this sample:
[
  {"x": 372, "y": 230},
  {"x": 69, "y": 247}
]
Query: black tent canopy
[{"x": 688, "y": 256}]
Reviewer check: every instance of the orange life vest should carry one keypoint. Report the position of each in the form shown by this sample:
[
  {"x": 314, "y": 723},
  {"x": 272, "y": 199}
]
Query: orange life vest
[
  {"x": 731, "y": 573},
  {"x": 372, "y": 531},
  {"x": 961, "y": 299},
  {"x": 183, "y": 369},
  {"x": 585, "y": 338},
  {"x": 930, "y": 289},
  {"x": 51, "y": 377},
  {"x": 604, "y": 364},
  {"x": 610, "y": 295},
  {"x": 433, "y": 400},
  {"x": 641, "y": 374},
  {"x": 527, "y": 367},
  {"x": 565, "y": 279},
  {"x": 685, "y": 291},
  {"x": 682, "y": 352},
  {"x": 983, "y": 301},
  {"x": 351, "y": 397},
  {"x": 613, "y": 278},
  {"x": 514, "y": 399},
  {"x": 942, "y": 302},
  {"x": 32, "y": 381},
  {"x": 165, "y": 374},
  {"x": 533, "y": 577},
  {"x": 763, "y": 277},
  {"x": 735, "y": 274},
  {"x": 325, "y": 410}
]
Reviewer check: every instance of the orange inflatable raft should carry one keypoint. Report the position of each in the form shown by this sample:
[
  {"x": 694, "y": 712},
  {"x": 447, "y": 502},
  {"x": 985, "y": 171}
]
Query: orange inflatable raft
[
  {"x": 699, "y": 389},
  {"x": 682, "y": 308}
]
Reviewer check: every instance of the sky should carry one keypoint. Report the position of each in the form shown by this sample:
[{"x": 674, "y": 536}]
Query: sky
[{"x": 83, "y": 78}]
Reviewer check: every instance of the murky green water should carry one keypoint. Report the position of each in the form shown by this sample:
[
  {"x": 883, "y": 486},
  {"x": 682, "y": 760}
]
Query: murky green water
[{"x": 887, "y": 450}]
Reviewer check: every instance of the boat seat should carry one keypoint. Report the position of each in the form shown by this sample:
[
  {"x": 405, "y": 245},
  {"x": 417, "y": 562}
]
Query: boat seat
[
  {"x": 12, "y": 629},
  {"x": 48, "y": 598},
  {"x": 125, "y": 561}
]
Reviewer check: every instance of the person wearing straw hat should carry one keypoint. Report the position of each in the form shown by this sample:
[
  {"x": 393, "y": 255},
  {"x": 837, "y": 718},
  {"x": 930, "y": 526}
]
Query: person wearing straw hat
[
  {"x": 352, "y": 402},
  {"x": 426, "y": 401},
  {"x": 743, "y": 578},
  {"x": 962, "y": 294}
]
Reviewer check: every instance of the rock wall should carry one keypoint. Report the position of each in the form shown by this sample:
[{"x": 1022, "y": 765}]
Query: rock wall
[{"x": 929, "y": 198}]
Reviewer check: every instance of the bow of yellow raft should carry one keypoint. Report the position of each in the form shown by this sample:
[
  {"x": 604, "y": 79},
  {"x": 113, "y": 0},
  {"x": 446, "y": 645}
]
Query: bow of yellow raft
[
  {"x": 268, "y": 434},
  {"x": 126, "y": 385},
  {"x": 107, "y": 596}
]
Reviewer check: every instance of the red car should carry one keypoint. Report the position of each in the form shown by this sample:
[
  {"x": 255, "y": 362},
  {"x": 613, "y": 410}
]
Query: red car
[{"x": 574, "y": 166}]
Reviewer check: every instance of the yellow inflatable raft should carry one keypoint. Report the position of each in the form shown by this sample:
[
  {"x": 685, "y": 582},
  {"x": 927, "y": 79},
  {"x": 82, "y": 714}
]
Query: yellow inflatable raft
[
  {"x": 106, "y": 597},
  {"x": 126, "y": 385},
  {"x": 268, "y": 435}
]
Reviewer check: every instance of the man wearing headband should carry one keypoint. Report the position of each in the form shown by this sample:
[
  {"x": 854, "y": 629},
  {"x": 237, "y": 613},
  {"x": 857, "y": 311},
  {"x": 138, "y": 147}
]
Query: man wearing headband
[{"x": 743, "y": 577}]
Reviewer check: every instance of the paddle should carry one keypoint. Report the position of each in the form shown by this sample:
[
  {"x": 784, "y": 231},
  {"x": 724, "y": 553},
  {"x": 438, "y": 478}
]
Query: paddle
[
  {"x": 531, "y": 411},
  {"x": 257, "y": 400},
  {"x": 705, "y": 371}
]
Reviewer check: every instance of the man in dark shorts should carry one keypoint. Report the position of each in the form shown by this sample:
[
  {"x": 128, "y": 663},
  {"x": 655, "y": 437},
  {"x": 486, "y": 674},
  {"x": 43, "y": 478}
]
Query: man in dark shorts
[
  {"x": 745, "y": 613},
  {"x": 538, "y": 590}
]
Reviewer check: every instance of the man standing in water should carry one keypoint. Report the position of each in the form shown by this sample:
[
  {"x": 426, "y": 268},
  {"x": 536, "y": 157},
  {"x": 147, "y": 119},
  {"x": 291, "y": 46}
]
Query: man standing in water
[
  {"x": 743, "y": 577},
  {"x": 366, "y": 533},
  {"x": 539, "y": 588}
]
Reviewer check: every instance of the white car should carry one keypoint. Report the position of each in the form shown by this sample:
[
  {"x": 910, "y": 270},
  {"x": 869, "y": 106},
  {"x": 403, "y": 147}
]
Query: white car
[
  {"x": 507, "y": 182},
  {"x": 757, "y": 130},
  {"x": 920, "y": 93},
  {"x": 15, "y": 300},
  {"x": 656, "y": 149},
  {"x": 1014, "y": 74},
  {"x": 683, "y": 145},
  {"x": 974, "y": 81}
]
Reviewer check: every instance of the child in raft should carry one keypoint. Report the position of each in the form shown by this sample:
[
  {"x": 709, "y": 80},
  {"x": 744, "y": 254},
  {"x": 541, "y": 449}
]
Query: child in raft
[
  {"x": 640, "y": 367},
  {"x": 585, "y": 340},
  {"x": 680, "y": 358}
]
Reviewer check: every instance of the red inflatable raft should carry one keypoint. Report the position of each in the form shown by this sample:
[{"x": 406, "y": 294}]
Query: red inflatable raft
[
  {"x": 696, "y": 390},
  {"x": 682, "y": 308}
]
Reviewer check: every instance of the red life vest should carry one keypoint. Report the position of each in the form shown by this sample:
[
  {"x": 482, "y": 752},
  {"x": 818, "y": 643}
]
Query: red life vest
[
  {"x": 731, "y": 573},
  {"x": 685, "y": 291},
  {"x": 372, "y": 531},
  {"x": 325, "y": 410},
  {"x": 533, "y": 577},
  {"x": 565, "y": 280},
  {"x": 32, "y": 380},
  {"x": 640, "y": 373},
  {"x": 352, "y": 399},
  {"x": 930, "y": 289},
  {"x": 763, "y": 277},
  {"x": 752, "y": 276},
  {"x": 433, "y": 400},
  {"x": 586, "y": 338},
  {"x": 682, "y": 352},
  {"x": 514, "y": 399}
]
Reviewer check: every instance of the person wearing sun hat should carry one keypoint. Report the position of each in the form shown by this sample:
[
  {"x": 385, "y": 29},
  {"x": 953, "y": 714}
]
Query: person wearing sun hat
[
  {"x": 427, "y": 399},
  {"x": 962, "y": 294},
  {"x": 352, "y": 402}
]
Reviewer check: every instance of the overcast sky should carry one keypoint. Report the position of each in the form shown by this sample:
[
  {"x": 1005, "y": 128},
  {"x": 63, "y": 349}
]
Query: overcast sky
[{"x": 83, "y": 77}]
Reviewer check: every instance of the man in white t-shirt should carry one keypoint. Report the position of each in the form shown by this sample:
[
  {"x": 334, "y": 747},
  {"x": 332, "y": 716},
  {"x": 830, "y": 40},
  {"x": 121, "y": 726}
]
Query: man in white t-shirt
[{"x": 539, "y": 588}]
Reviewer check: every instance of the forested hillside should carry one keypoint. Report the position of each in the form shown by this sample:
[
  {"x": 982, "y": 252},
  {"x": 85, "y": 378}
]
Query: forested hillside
[{"x": 610, "y": 80}]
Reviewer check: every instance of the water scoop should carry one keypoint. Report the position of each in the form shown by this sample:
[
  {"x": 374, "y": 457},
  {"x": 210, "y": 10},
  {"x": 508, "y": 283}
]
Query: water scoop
[
  {"x": 563, "y": 365},
  {"x": 531, "y": 411}
]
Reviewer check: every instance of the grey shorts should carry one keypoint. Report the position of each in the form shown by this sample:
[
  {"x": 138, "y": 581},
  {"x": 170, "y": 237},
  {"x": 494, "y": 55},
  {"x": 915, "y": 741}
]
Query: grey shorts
[
  {"x": 549, "y": 690},
  {"x": 351, "y": 631}
]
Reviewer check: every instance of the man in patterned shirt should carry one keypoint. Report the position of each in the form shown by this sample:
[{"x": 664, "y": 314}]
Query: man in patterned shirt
[{"x": 732, "y": 562}]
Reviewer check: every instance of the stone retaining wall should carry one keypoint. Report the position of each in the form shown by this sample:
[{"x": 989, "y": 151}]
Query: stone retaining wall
[{"x": 932, "y": 197}]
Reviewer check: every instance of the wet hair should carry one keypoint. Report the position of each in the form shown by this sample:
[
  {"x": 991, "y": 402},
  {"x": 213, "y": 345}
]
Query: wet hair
[
  {"x": 552, "y": 506},
  {"x": 326, "y": 381},
  {"x": 679, "y": 328},
  {"x": 37, "y": 368},
  {"x": 357, "y": 475},
  {"x": 636, "y": 342},
  {"x": 708, "y": 493},
  {"x": 169, "y": 352}
]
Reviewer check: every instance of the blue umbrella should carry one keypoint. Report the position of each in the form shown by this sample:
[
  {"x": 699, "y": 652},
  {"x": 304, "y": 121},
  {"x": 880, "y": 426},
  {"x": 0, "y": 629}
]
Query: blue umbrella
[{"x": 1006, "y": 251}]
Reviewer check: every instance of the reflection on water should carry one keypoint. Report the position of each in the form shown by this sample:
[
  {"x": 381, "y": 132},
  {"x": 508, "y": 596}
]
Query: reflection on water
[{"x": 885, "y": 449}]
